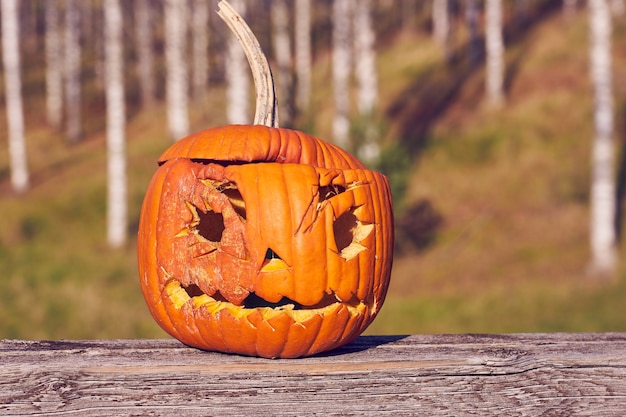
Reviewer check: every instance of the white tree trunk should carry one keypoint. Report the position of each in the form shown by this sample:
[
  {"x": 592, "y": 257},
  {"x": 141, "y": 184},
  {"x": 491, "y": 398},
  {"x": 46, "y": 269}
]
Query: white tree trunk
[
  {"x": 116, "y": 162},
  {"x": 441, "y": 21},
  {"x": 603, "y": 203},
  {"x": 442, "y": 26},
  {"x": 303, "y": 53},
  {"x": 176, "y": 87},
  {"x": 200, "y": 29},
  {"x": 282, "y": 54},
  {"x": 237, "y": 76},
  {"x": 13, "y": 95},
  {"x": 365, "y": 58},
  {"x": 54, "y": 76},
  {"x": 342, "y": 41},
  {"x": 72, "y": 70},
  {"x": 495, "y": 52},
  {"x": 367, "y": 78},
  {"x": 145, "y": 53}
]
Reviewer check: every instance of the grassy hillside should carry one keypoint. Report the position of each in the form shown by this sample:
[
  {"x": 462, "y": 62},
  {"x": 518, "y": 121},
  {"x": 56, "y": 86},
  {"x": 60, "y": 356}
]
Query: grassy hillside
[
  {"x": 500, "y": 198},
  {"x": 510, "y": 188}
]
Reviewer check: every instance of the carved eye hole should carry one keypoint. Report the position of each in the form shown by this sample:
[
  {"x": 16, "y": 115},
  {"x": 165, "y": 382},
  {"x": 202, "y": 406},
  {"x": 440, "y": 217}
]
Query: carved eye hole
[
  {"x": 343, "y": 229},
  {"x": 211, "y": 225},
  {"x": 349, "y": 232}
]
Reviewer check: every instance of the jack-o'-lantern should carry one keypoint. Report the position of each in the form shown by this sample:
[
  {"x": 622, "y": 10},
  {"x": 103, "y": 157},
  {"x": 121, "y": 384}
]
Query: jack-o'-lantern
[{"x": 264, "y": 241}]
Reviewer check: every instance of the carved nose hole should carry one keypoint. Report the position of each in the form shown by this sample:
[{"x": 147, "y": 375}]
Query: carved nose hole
[
  {"x": 273, "y": 262},
  {"x": 211, "y": 225},
  {"x": 270, "y": 254},
  {"x": 343, "y": 229}
]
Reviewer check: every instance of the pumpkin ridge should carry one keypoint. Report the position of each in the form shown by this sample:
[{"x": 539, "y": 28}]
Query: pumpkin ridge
[
  {"x": 209, "y": 330},
  {"x": 146, "y": 253},
  {"x": 301, "y": 336}
]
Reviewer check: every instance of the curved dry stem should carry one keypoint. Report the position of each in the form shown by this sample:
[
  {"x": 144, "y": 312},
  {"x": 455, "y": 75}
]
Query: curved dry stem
[{"x": 266, "y": 102}]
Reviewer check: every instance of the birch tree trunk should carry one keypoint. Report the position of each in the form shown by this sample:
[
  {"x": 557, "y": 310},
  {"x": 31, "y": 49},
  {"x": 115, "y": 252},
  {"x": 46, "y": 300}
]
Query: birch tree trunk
[
  {"x": 200, "y": 29},
  {"x": 303, "y": 53},
  {"x": 495, "y": 52},
  {"x": 54, "y": 76},
  {"x": 282, "y": 52},
  {"x": 237, "y": 76},
  {"x": 145, "y": 53},
  {"x": 365, "y": 58},
  {"x": 367, "y": 78},
  {"x": 441, "y": 22},
  {"x": 13, "y": 95},
  {"x": 176, "y": 87},
  {"x": 342, "y": 41},
  {"x": 114, "y": 92},
  {"x": 603, "y": 203},
  {"x": 72, "y": 70}
]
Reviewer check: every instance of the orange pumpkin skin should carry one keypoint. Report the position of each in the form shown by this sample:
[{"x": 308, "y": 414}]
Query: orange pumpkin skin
[{"x": 264, "y": 242}]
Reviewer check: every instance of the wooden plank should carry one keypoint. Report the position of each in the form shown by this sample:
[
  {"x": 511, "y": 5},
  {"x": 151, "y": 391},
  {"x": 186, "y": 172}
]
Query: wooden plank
[{"x": 458, "y": 375}]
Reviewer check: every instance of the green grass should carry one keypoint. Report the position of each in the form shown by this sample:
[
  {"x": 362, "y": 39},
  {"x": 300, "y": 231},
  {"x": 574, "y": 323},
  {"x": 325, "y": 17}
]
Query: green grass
[
  {"x": 510, "y": 185},
  {"x": 574, "y": 307}
]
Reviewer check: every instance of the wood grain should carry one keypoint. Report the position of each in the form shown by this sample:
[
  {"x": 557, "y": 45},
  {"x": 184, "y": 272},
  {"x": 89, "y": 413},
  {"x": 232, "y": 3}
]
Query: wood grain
[{"x": 443, "y": 375}]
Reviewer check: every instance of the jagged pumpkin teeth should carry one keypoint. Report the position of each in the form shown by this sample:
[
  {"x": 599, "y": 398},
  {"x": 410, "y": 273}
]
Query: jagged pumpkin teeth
[
  {"x": 259, "y": 240},
  {"x": 177, "y": 294},
  {"x": 179, "y": 297}
]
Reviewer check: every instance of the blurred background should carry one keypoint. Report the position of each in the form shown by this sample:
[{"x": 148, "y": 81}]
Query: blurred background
[{"x": 500, "y": 124}]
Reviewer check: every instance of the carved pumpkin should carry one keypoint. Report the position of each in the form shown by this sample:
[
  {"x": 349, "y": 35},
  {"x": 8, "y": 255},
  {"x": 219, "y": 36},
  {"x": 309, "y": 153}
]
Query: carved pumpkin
[{"x": 264, "y": 241}]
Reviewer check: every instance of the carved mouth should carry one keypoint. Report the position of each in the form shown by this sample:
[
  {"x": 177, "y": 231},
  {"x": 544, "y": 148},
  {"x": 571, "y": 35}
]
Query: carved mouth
[{"x": 181, "y": 295}]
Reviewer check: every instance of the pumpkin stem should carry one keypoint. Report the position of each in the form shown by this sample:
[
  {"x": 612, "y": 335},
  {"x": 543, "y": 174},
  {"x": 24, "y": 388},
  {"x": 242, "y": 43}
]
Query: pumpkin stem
[{"x": 266, "y": 102}]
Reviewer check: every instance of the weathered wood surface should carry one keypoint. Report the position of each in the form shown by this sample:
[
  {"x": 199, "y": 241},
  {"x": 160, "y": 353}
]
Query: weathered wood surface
[{"x": 453, "y": 375}]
